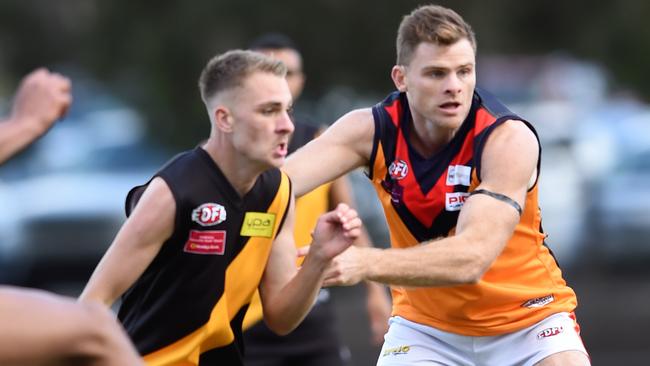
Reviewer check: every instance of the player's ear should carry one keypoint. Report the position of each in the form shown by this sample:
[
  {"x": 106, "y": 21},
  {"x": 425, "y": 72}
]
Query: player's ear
[
  {"x": 398, "y": 74},
  {"x": 223, "y": 119}
]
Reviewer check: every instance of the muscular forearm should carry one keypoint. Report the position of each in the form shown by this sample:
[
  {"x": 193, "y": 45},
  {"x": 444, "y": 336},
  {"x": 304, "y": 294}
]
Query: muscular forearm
[
  {"x": 431, "y": 264},
  {"x": 290, "y": 306},
  {"x": 15, "y": 136},
  {"x": 74, "y": 331}
]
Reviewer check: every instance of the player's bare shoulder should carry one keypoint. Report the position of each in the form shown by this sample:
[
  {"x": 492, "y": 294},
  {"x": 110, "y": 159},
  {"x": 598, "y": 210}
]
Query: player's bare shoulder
[
  {"x": 356, "y": 129},
  {"x": 511, "y": 150},
  {"x": 515, "y": 137}
]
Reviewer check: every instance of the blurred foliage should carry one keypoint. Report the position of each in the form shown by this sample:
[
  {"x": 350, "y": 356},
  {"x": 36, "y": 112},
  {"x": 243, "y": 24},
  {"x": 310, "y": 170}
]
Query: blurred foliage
[{"x": 151, "y": 53}]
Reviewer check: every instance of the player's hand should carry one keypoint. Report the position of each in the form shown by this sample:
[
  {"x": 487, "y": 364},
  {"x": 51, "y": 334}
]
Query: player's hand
[
  {"x": 42, "y": 98},
  {"x": 334, "y": 232},
  {"x": 347, "y": 269}
]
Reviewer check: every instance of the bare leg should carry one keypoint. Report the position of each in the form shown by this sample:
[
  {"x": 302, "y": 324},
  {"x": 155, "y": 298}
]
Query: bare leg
[
  {"x": 566, "y": 358},
  {"x": 39, "y": 328}
]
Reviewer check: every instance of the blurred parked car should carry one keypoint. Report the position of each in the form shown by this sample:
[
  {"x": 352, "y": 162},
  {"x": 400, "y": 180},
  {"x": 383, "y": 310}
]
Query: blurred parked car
[
  {"x": 620, "y": 214},
  {"x": 62, "y": 200}
]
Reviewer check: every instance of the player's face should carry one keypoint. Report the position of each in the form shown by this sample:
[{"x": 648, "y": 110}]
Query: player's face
[
  {"x": 440, "y": 82},
  {"x": 262, "y": 122}
]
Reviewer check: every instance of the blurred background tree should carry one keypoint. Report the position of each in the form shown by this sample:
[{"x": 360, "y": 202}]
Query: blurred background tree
[
  {"x": 152, "y": 52},
  {"x": 576, "y": 68}
]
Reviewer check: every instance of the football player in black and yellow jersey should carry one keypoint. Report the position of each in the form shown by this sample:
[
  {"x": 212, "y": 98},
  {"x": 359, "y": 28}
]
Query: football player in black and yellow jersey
[
  {"x": 215, "y": 224},
  {"x": 315, "y": 341}
]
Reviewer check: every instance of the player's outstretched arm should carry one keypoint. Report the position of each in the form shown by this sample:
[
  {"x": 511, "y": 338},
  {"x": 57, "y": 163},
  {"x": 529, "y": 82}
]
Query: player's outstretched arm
[
  {"x": 344, "y": 146},
  {"x": 288, "y": 293},
  {"x": 39, "y": 328},
  {"x": 42, "y": 98},
  {"x": 485, "y": 225},
  {"x": 135, "y": 246}
]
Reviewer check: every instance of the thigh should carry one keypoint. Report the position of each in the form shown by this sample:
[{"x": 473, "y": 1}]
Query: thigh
[
  {"x": 566, "y": 358},
  {"x": 554, "y": 338},
  {"x": 408, "y": 343},
  {"x": 46, "y": 329}
]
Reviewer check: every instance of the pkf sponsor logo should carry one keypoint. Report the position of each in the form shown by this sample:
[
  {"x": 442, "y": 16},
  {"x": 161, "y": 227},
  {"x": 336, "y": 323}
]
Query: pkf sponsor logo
[
  {"x": 209, "y": 214},
  {"x": 549, "y": 332},
  {"x": 538, "y": 302},
  {"x": 206, "y": 242},
  {"x": 454, "y": 201},
  {"x": 398, "y": 169}
]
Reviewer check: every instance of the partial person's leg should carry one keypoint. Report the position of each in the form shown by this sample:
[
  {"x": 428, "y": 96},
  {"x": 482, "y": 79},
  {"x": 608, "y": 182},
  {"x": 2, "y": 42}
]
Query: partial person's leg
[
  {"x": 566, "y": 358},
  {"x": 409, "y": 343},
  {"x": 39, "y": 328},
  {"x": 552, "y": 341}
]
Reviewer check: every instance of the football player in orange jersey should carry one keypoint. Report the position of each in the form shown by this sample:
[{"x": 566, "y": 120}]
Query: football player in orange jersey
[{"x": 472, "y": 279}]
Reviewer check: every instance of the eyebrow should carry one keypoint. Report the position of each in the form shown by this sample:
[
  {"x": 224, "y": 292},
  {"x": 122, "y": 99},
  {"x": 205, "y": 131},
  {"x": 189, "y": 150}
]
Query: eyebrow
[
  {"x": 269, "y": 104},
  {"x": 434, "y": 67},
  {"x": 273, "y": 104}
]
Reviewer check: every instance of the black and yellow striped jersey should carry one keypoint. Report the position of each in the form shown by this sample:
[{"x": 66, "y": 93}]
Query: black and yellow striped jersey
[{"x": 188, "y": 305}]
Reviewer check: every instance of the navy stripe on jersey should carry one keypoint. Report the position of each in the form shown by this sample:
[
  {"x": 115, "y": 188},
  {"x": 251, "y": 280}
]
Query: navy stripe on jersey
[
  {"x": 392, "y": 124},
  {"x": 429, "y": 170}
]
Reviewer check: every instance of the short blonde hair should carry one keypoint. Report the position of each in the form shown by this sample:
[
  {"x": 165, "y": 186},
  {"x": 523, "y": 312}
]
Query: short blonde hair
[{"x": 230, "y": 69}]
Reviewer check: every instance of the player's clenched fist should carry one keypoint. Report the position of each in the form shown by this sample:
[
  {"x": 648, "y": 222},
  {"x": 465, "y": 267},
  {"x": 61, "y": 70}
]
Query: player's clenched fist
[
  {"x": 334, "y": 232},
  {"x": 42, "y": 98}
]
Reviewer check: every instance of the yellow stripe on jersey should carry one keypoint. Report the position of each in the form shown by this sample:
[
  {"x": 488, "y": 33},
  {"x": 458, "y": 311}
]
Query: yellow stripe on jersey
[
  {"x": 308, "y": 209},
  {"x": 242, "y": 279}
]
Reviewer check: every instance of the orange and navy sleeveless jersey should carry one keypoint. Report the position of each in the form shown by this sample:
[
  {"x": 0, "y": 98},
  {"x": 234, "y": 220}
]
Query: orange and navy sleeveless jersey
[
  {"x": 188, "y": 305},
  {"x": 422, "y": 198}
]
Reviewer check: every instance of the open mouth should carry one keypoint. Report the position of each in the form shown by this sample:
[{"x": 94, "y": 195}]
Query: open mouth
[
  {"x": 282, "y": 149},
  {"x": 450, "y": 105}
]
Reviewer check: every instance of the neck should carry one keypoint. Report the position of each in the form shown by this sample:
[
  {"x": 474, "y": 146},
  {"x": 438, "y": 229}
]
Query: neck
[
  {"x": 240, "y": 172},
  {"x": 428, "y": 137}
]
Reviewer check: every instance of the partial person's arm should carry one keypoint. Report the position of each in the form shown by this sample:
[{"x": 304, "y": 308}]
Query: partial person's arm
[
  {"x": 42, "y": 98},
  {"x": 39, "y": 328},
  {"x": 485, "y": 225},
  {"x": 378, "y": 303},
  {"x": 135, "y": 246},
  {"x": 344, "y": 146},
  {"x": 288, "y": 293}
]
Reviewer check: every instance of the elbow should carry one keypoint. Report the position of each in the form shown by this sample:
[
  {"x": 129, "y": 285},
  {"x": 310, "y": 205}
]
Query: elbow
[
  {"x": 278, "y": 324},
  {"x": 279, "y": 328},
  {"x": 472, "y": 276},
  {"x": 95, "y": 338},
  {"x": 472, "y": 270}
]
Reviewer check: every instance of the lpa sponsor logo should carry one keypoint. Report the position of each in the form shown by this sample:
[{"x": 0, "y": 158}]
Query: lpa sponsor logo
[{"x": 258, "y": 224}]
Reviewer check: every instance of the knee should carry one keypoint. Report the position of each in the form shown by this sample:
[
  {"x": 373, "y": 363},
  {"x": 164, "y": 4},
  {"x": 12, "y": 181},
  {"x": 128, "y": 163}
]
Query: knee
[{"x": 100, "y": 330}]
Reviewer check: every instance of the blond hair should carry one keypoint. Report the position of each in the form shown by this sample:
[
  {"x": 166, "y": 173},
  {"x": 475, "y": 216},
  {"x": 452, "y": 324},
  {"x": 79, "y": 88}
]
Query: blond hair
[{"x": 230, "y": 69}]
